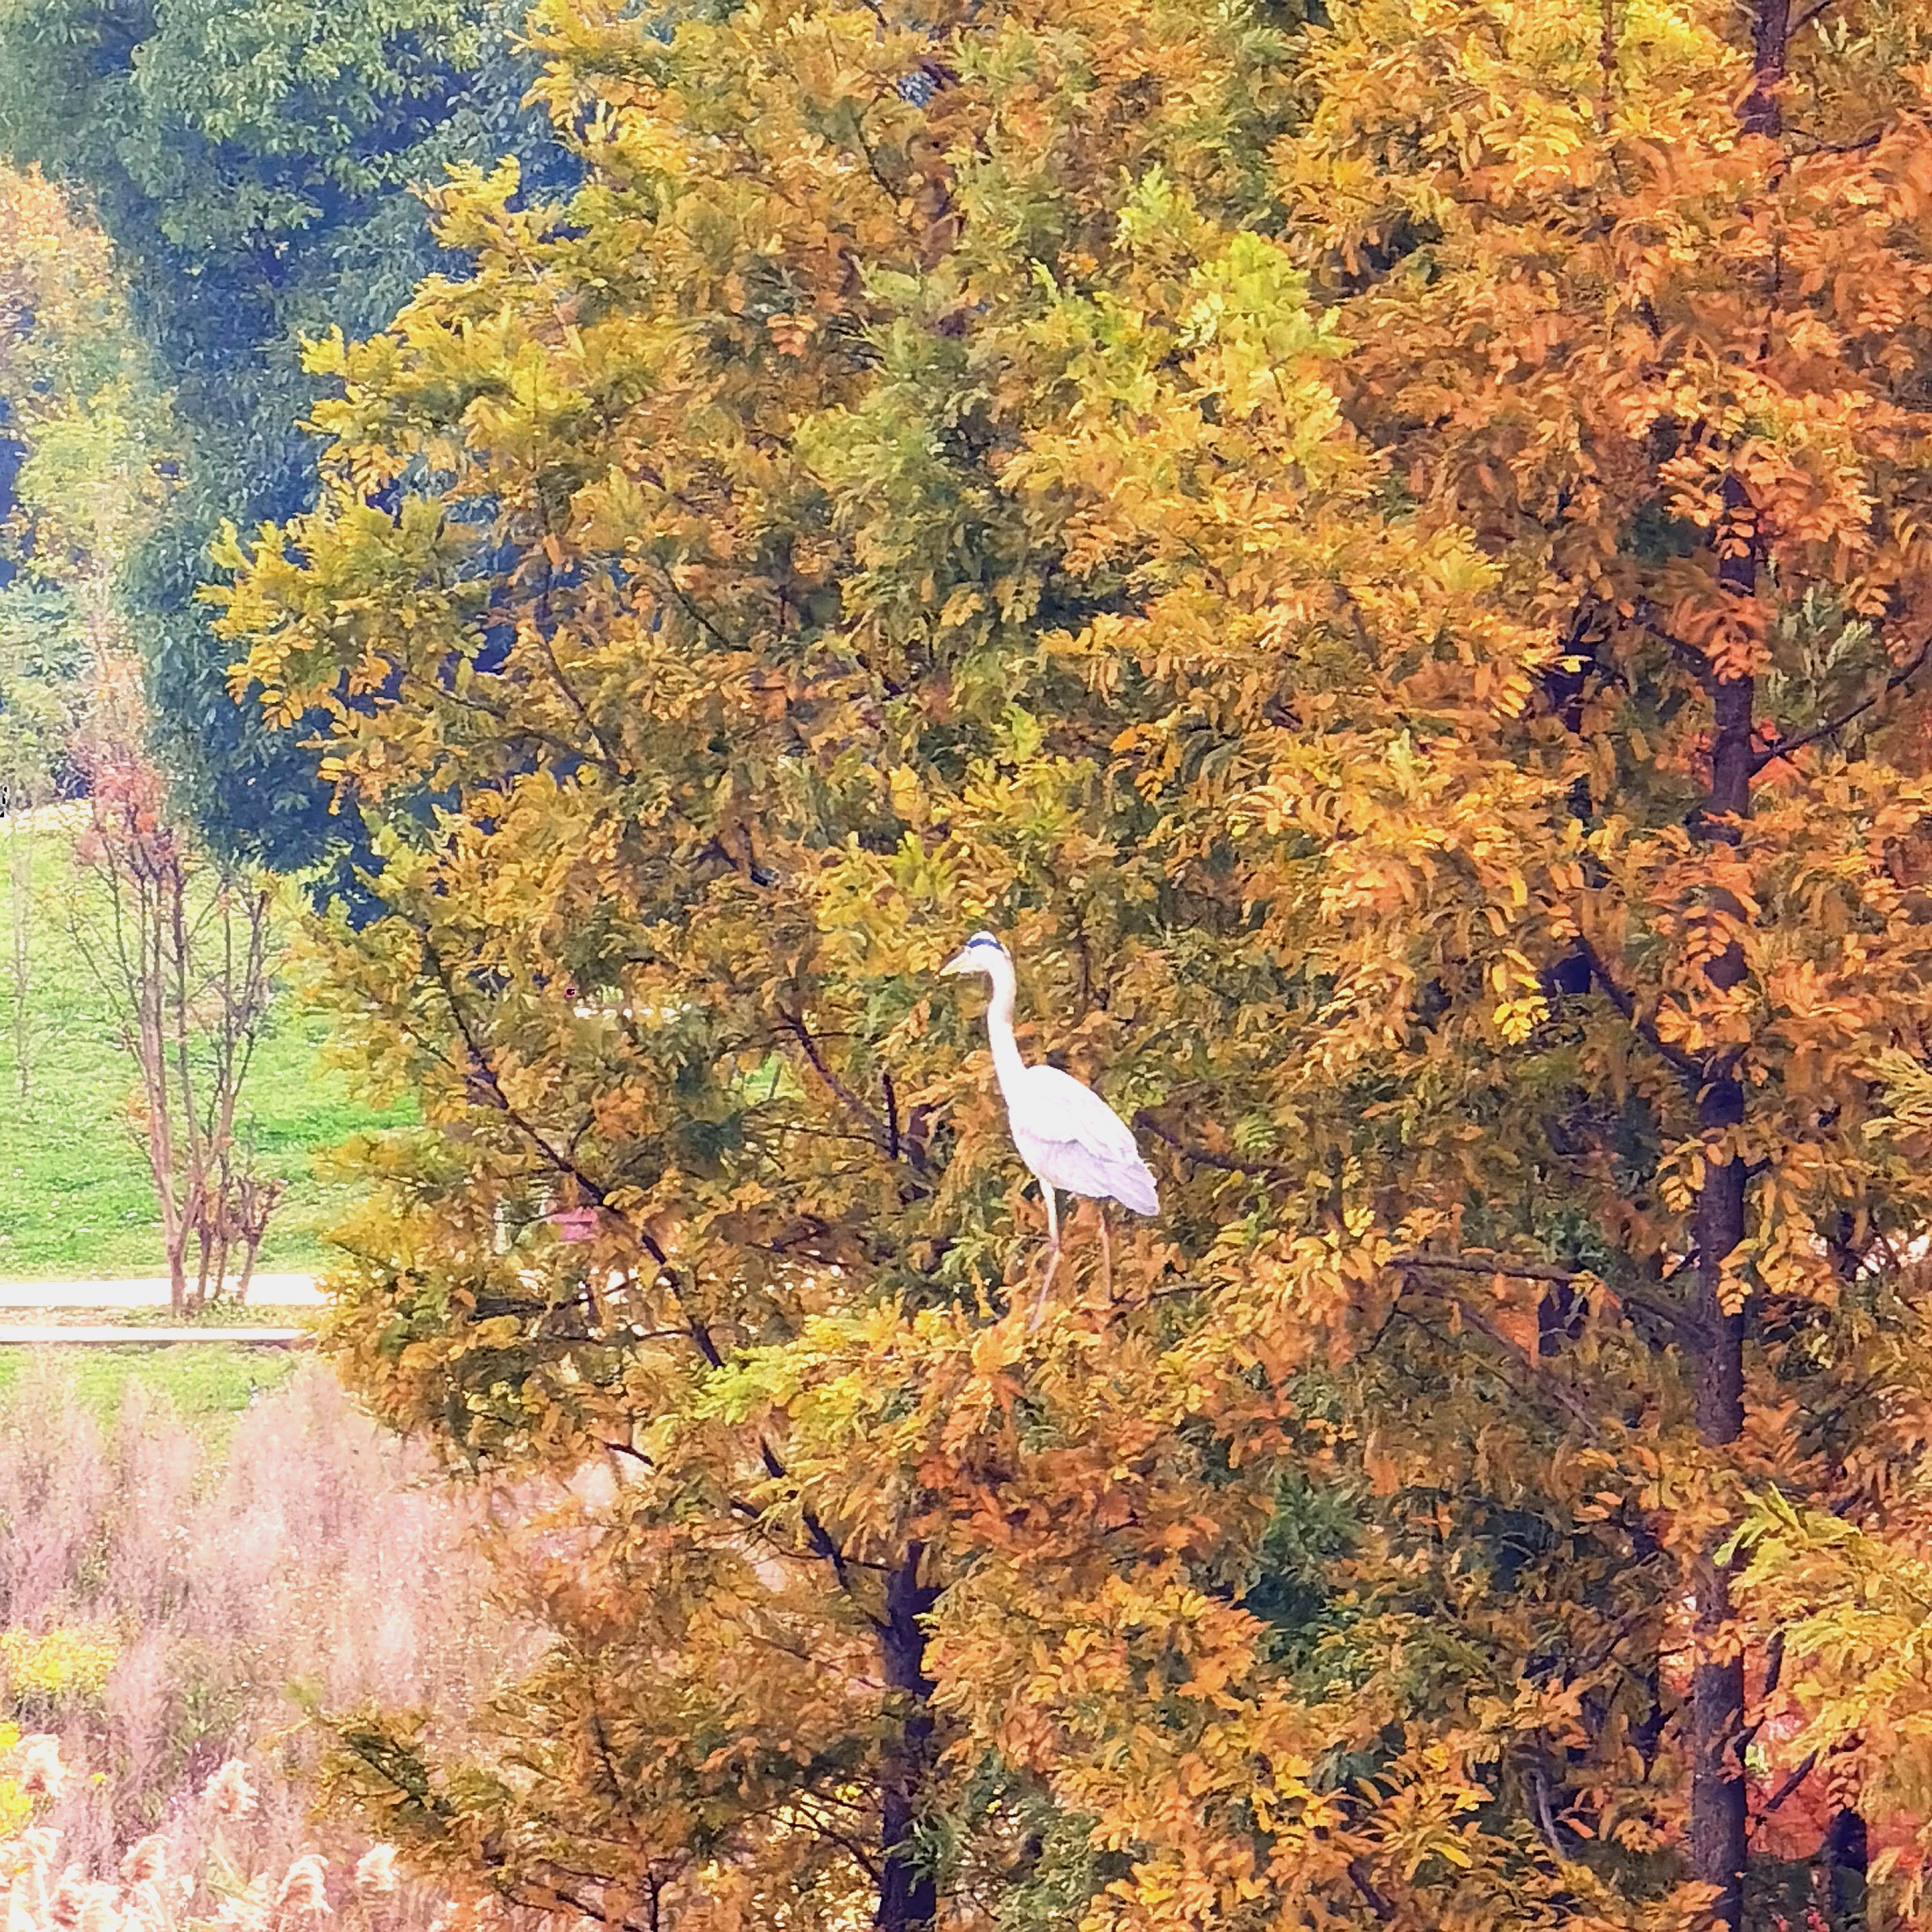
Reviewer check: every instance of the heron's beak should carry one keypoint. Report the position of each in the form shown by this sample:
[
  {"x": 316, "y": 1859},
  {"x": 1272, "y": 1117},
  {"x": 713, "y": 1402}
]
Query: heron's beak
[{"x": 960, "y": 962}]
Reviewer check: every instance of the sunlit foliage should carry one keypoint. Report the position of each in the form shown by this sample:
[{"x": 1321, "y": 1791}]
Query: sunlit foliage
[{"x": 1385, "y": 557}]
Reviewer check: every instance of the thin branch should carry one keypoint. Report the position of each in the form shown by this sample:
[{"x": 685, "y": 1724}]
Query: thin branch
[
  {"x": 1596, "y": 1658},
  {"x": 1200, "y": 1156},
  {"x": 576, "y": 703},
  {"x": 1552, "y": 1385},
  {"x": 1514, "y": 1271},
  {"x": 822, "y": 1540},
  {"x": 1863, "y": 145},
  {"x": 559, "y": 1158},
  {"x": 1773, "y": 1669},
  {"x": 1358, "y": 1876},
  {"x": 755, "y": 1516},
  {"x": 1167, "y": 1293},
  {"x": 1791, "y": 1783},
  {"x": 884, "y": 1136},
  {"x": 697, "y": 616},
  {"x": 576, "y": 1902},
  {"x": 1688, "y": 1064},
  {"x": 1546, "y": 1816},
  {"x": 1784, "y": 747},
  {"x": 1672, "y": 1318},
  {"x": 1499, "y": 1264},
  {"x": 850, "y": 1845},
  {"x": 795, "y": 1024},
  {"x": 439, "y": 693}
]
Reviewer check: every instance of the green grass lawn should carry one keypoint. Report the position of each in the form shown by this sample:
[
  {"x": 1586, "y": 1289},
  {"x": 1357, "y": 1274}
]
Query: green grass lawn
[
  {"x": 76, "y": 1197},
  {"x": 207, "y": 1382}
]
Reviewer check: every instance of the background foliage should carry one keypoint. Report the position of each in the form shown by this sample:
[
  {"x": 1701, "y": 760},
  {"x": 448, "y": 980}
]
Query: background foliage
[{"x": 254, "y": 168}]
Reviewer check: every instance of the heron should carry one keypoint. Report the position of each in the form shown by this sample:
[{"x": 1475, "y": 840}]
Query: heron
[{"x": 1069, "y": 1139}]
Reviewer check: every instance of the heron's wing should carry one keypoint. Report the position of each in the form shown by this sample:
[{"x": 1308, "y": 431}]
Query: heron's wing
[
  {"x": 1071, "y": 1139},
  {"x": 1052, "y": 1105}
]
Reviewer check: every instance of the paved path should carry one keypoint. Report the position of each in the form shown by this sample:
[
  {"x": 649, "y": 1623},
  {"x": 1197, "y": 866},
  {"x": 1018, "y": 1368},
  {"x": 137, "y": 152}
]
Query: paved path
[
  {"x": 106, "y": 1334},
  {"x": 265, "y": 1291}
]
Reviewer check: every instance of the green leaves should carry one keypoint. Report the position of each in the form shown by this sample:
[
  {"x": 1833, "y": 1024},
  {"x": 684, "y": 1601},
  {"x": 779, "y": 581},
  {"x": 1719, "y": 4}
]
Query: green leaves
[{"x": 258, "y": 170}]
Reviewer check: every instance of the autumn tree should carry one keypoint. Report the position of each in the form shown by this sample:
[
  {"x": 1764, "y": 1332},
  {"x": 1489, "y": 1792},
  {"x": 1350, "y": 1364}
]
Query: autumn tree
[
  {"x": 85, "y": 433},
  {"x": 1385, "y": 558},
  {"x": 1649, "y": 332}
]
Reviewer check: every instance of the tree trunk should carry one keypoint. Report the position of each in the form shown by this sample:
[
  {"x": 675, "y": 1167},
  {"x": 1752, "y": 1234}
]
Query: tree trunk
[
  {"x": 1845, "y": 1853},
  {"x": 1718, "y": 1837},
  {"x": 1718, "y": 1844},
  {"x": 908, "y": 1895}
]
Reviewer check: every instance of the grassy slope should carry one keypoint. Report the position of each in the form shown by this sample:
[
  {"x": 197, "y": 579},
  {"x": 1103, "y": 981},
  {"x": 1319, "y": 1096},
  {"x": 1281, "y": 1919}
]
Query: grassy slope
[{"x": 75, "y": 1199}]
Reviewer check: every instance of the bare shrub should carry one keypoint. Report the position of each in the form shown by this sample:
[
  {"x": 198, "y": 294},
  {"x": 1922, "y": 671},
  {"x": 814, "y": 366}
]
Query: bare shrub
[
  {"x": 306, "y": 1566},
  {"x": 180, "y": 940}
]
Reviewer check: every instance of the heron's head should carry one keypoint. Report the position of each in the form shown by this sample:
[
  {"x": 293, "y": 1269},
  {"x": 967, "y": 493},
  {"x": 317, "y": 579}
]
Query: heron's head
[{"x": 976, "y": 956}]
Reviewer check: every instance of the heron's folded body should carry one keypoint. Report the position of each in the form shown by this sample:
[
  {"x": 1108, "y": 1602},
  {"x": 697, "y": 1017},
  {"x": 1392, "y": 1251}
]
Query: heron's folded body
[{"x": 1070, "y": 1139}]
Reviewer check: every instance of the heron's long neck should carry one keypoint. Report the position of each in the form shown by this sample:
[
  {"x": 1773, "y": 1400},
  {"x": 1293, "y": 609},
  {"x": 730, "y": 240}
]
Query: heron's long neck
[{"x": 1007, "y": 1065}]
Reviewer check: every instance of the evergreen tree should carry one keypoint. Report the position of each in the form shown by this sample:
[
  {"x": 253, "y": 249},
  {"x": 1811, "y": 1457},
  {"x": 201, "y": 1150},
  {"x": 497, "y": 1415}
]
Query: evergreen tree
[{"x": 255, "y": 168}]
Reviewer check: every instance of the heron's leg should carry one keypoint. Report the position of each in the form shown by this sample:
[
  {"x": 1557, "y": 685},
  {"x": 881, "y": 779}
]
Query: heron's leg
[
  {"x": 1052, "y": 1255},
  {"x": 1106, "y": 1252}
]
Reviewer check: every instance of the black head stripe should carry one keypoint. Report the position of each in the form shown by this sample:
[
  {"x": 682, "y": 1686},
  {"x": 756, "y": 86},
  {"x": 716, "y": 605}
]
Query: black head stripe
[{"x": 984, "y": 939}]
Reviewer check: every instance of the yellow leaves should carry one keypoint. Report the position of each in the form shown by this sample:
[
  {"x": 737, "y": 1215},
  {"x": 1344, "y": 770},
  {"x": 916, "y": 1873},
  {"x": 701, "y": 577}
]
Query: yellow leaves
[
  {"x": 1291, "y": 707},
  {"x": 1522, "y": 1007},
  {"x": 1734, "y": 1285},
  {"x": 1516, "y": 1020},
  {"x": 638, "y": 137},
  {"x": 1906, "y": 1085}
]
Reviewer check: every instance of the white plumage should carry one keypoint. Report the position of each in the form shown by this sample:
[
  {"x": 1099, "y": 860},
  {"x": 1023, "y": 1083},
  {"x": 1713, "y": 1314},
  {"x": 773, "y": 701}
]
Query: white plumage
[
  {"x": 1068, "y": 1137},
  {"x": 1072, "y": 1140}
]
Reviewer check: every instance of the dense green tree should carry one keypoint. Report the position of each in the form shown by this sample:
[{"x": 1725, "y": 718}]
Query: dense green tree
[
  {"x": 254, "y": 166},
  {"x": 713, "y": 676}
]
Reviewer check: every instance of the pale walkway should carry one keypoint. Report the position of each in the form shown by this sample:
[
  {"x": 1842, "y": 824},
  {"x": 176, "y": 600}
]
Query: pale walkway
[
  {"x": 265, "y": 1290},
  {"x": 113, "y": 1335}
]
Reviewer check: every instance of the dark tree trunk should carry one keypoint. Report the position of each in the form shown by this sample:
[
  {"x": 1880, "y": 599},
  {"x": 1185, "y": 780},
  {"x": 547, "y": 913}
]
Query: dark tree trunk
[
  {"x": 908, "y": 1896},
  {"x": 1771, "y": 37},
  {"x": 1845, "y": 1854},
  {"x": 1718, "y": 1843}
]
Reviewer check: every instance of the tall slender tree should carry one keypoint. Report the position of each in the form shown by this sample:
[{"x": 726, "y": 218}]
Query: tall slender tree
[{"x": 1665, "y": 357}]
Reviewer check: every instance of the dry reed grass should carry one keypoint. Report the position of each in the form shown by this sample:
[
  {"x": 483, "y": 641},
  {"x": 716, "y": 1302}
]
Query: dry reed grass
[{"x": 174, "y": 1606}]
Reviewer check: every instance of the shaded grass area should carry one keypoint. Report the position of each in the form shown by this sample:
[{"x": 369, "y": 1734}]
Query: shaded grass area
[
  {"x": 216, "y": 1314},
  {"x": 76, "y": 1197},
  {"x": 207, "y": 1384}
]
